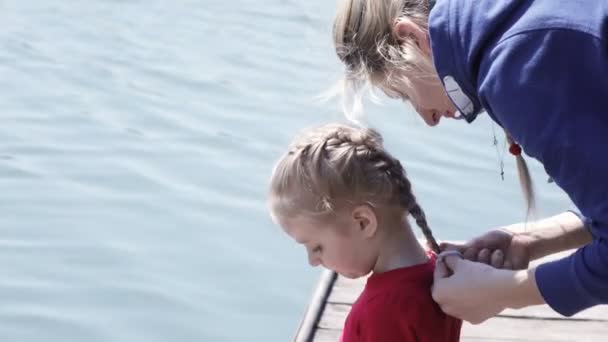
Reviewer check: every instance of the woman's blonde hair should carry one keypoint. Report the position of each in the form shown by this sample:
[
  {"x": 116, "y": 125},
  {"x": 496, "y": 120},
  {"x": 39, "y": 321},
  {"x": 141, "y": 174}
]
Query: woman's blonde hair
[
  {"x": 525, "y": 180},
  {"x": 365, "y": 42},
  {"x": 337, "y": 167}
]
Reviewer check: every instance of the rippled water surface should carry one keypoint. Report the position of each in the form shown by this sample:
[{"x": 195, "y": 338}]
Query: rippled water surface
[{"x": 136, "y": 140}]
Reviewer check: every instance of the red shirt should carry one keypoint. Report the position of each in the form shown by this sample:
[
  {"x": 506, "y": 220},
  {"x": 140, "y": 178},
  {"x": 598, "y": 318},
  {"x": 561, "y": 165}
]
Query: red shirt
[{"x": 396, "y": 306}]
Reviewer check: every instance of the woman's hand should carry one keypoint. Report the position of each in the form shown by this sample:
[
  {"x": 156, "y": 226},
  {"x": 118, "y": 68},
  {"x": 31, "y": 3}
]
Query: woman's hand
[
  {"x": 475, "y": 292},
  {"x": 514, "y": 246},
  {"x": 500, "y": 248}
]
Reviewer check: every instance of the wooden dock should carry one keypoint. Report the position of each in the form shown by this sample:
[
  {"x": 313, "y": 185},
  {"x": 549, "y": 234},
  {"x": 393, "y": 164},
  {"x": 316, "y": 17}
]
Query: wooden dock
[{"x": 334, "y": 295}]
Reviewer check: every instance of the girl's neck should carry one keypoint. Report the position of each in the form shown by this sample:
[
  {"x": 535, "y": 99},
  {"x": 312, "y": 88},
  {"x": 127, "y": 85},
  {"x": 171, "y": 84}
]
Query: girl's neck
[{"x": 399, "y": 248}]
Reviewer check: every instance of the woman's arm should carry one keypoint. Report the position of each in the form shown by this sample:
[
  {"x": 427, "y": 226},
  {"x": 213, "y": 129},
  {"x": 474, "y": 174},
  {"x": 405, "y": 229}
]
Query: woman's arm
[
  {"x": 555, "y": 234},
  {"x": 514, "y": 246}
]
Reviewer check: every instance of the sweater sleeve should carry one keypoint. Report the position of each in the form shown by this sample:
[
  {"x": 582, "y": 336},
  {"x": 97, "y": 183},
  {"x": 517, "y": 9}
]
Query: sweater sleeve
[{"x": 549, "y": 89}]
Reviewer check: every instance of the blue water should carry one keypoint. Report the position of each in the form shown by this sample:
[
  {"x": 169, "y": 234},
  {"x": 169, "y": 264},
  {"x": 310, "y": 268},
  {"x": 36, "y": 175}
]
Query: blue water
[{"x": 136, "y": 140}]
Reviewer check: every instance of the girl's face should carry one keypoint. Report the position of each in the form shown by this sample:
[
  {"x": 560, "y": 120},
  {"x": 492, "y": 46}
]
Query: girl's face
[
  {"x": 426, "y": 95},
  {"x": 342, "y": 246}
]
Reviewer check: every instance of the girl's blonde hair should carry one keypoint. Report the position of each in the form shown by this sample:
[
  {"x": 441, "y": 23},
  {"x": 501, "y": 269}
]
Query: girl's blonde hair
[
  {"x": 336, "y": 167},
  {"x": 365, "y": 42}
]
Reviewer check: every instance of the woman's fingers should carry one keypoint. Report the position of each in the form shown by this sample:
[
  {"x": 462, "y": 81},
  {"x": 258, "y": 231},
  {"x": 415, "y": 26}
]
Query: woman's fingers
[
  {"x": 494, "y": 258},
  {"x": 452, "y": 261},
  {"x": 441, "y": 270},
  {"x": 497, "y": 259},
  {"x": 470, "y": 254},
  {"x": 473, "y": 251},
  {"x": 447, "y": 246},
  {"x": 484, "y": 256},
  {"x": 473, "y": 292}
]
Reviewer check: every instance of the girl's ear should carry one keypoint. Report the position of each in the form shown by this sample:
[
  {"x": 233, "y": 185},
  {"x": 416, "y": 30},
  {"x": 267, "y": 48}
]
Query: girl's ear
[
  {"x": 406, "y": 30},
  {"x": 365, "y": 219}
]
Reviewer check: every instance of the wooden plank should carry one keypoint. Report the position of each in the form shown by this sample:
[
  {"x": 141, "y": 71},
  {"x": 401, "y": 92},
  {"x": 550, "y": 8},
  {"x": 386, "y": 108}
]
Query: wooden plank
[
  {"x": 308, "y": 325},
  {"x": 346, "y": 291},
  {"x": 328, "y": 335},
  {"x": 501, "y": 329},
  {"x": 334, "y": 316},
  {"x": 598, "y": 313}
]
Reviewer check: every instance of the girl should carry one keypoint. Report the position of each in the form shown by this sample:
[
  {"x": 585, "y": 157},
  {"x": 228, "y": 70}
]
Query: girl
[
  {"x": 341, "y": 195},
  {"x": 540, "y": 70}
]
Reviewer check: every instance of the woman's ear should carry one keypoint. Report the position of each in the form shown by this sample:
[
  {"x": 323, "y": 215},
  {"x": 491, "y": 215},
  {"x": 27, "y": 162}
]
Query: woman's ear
[
  {"x": 405, "y": 29},
  {"x": 365, "y": 219}
]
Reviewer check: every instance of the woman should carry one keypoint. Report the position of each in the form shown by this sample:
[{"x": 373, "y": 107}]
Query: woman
[{"x": 540, "y": 70}]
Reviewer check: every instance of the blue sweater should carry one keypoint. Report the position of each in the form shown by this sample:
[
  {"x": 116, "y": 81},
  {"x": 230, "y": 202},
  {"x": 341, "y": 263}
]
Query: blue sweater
[{"x": 540, "y": 70}]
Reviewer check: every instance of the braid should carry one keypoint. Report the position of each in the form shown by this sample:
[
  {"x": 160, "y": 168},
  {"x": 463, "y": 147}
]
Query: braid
[
  {"x": 363, "y": 139},
  {"x": 335, "y": 163},
  {"x": 364, "y": 145},
  {"x": 420, "y": 218},
  {"x": 405, "y": 190}
]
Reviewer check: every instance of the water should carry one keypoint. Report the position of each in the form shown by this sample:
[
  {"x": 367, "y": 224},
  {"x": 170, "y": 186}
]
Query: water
[{"x": 136, "y": 140}]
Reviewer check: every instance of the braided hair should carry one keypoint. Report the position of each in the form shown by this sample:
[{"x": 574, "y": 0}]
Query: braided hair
[{"x": 337, "y": 166}]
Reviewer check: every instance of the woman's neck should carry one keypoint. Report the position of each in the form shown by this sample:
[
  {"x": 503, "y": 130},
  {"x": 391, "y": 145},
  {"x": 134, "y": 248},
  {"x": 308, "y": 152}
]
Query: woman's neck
[{"x": 399, "y": 248}]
